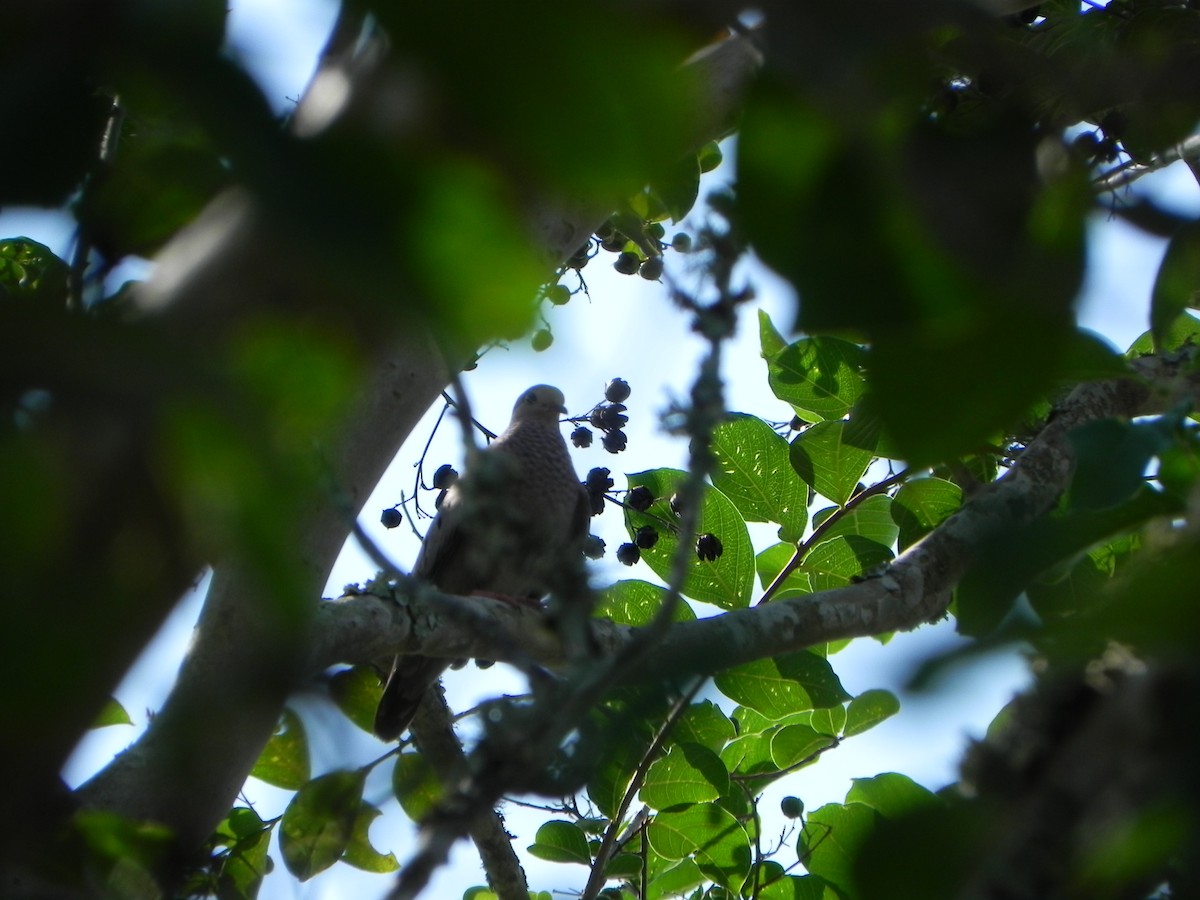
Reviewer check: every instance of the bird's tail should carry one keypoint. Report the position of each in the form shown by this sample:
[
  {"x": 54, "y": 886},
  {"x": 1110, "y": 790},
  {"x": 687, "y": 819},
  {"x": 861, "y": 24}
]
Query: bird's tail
[{"x": 406, "y": 685}]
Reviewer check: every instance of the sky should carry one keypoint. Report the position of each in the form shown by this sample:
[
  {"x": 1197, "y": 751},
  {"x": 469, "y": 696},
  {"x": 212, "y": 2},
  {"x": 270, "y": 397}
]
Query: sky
[{"x": 619, "y": 331}]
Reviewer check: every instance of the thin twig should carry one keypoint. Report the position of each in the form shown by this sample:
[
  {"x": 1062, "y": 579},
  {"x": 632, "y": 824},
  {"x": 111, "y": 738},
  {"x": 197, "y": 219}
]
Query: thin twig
[
  {"x": 1128, "y": 172},
  {"x": 596, "y": 879},
  {"x": 823, "y": 529}
]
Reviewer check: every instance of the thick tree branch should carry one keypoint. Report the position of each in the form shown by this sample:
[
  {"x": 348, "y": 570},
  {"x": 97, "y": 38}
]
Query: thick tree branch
[{"x": 914, "y": 589}]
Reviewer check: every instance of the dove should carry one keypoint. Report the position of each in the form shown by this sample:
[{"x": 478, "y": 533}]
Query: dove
[{"x": 514, "y": 520}]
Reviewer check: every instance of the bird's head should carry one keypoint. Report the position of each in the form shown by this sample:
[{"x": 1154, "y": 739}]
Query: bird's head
[{"x": 540, "y": 403}]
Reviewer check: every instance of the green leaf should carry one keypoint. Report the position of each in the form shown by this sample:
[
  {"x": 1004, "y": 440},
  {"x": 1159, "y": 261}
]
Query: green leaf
[
  {"x": 794, "y": 887},
  {"x": 1177, "y": 285},
  {"x": 675, "y": 880},
  {"x": 794, "y": 743},
  {"x": 830, "y": 841},
  {"x": 563, "y": 842},
  {"x": 770, "y": 563},
  {"x": 821, "y": 377},
  {"x": 623, "y": 865},
  {"x": 871, "y": 519},
  {"x": 705, "y": 724},
  {"x": 360, "y": 853},
  {"x": 677, "y": 187},
  {"x": 834, "y": 563},
  {"x": 725, "y": 582},
  {"x": 1111, "y": 458},
  {"x": 1182, "y": 332},
  {"x": 356, "y": 692},
  {"x": 749, "y": 755},
  {"x": 709, "y": 156},
  {"x": 710, "y": 835},
  {"x": 1009, "y": 562},
  {"x": 621, "y": 754},
  {"x": 1090, "y": 357},
  {"x": 319, "y": 822},
  {"x": 634, "y": 602},
  {"x": 826, "y": 461},
  {"x": 689, "y": 773},
  {"x": 891, "y": 795},
  {"x": 284, "y": 761},
  {"x": 245, "y": 863},
  {"x": 30, "y": 269},
  {"x": 753, "y": 470},
  {"x": 771, "y": 342},
  {"x": 829, "y": 720},
  {"x": 113, "y": 713},
  {"x": 784, "y": 684},
  {"x": 415, "y": 785},
  {"x": 921, "y": 505},
  {"x": 868, "y": 709},
  {"x": 1078, "y": 589}
]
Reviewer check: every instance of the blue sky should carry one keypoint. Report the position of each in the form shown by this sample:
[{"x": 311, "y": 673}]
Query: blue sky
[{"x": 627, "y": 328}]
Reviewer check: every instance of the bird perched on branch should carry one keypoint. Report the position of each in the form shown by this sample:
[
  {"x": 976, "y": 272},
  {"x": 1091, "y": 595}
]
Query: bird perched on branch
[{"x": 508, "y": 528}]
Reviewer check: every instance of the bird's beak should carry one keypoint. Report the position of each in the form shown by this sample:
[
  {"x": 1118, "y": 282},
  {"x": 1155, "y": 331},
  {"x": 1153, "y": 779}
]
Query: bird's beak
[{"x": 563, "y": 409}]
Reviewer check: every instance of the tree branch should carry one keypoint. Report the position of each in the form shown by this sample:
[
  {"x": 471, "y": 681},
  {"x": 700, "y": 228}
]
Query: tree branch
[
  {"x": 914, "y": 589},
  {"x": 433, "y": 730}
]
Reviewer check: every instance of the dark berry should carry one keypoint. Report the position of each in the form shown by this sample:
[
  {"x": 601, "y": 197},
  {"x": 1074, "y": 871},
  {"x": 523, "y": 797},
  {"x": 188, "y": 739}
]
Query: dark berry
[
  {"x": 792, "y": 807},
  {"x": 646, "y": 537},
  {"x": 1087, "y": 145},
  {"x": 593, "y": 547},
  {"x": 581, "y": 437},
  {"x": 614, "y": 243},
  {"x": 652, "y": 268},
  {"x": 640, "y": 498},
  {"x": 627, "y": 263},
  {"x": 598, "y": 480},
  {"x": 542, "y": 339},
  {"x": 796, "y": 424},
  {"x": 676, "y": 504},
  {"x": 559, "y": 294},
  {"x": 617, "y": 390},
  {"x": 391, "y": 517},
  {"x": 628, "y": 554},
  {"x": 596, "y": 503},
  {"x": 605, "y": 230},
  {"x": 580, "y": 257},
  {"x": 682, "y": 242},
  {"x": 610, "y": 416},
  {"x": 656, "y": 230},
  {"x": 614, "y": 441},
  {"x": 708, "y": 547},
  {"x": 445, "y": 476}
]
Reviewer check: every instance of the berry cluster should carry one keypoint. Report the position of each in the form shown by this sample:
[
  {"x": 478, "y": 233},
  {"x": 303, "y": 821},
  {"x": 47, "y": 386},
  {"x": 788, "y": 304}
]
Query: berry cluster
[
  {"x": 640, "y": 499},
  {"x": 636, "y": 233},
  {"x": 609, "y": 417}
]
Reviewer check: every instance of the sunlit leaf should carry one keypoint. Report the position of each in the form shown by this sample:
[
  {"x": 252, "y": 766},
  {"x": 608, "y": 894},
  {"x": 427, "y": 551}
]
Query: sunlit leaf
[
  {"x": 360, "y": 853},
  {"x": 753, "y": 471},
  {"x": 725, "y": 581},
  {"x": 689, "y": 773},
  {"x": 868, "y": 709},
  {"x": 284, "y": 761},
  {"x": 785, "y": 684},
  {"x": 560, "y": 841}
]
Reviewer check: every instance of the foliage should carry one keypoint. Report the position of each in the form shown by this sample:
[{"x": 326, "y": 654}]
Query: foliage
[{"x": 914, "y": 170}]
